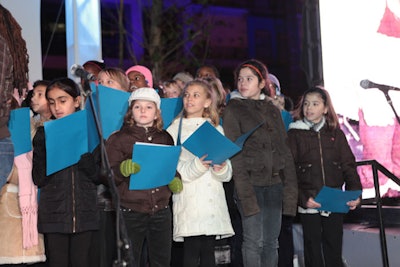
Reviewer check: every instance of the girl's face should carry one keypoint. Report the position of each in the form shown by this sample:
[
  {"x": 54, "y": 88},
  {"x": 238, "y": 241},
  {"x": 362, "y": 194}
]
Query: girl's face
[
  {"x": 39, "y": 102},
  {"x": 61, "y": 103},
  {"x": 314, "y": 107},
  {"x": 144, "y": 113},
  {"x": 106, "y": 80},
  {"x": 172, "y": 91},
  {"x": 205, "y": 72},
  {"x": 195, "y": 100},
  {"x": 248, "y": 84},
  {"x": 136, "y": 80}
]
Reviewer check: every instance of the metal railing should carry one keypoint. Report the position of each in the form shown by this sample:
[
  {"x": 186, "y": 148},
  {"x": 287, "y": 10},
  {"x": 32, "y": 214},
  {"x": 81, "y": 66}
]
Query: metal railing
[{"x": 376, "y": 166}]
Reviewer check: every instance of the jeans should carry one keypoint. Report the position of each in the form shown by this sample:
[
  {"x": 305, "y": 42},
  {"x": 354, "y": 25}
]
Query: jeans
[
  {"x": 155, "y": 229},
  {"x": 261, "y": 231},
  {"x": 6, "y": 159}
]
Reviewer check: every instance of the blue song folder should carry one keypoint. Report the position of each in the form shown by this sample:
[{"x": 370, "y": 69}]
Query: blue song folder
[
  {"x": 170, "y": 108},
  {"x": 20, "y": 128},
  {"x": 208, "y": 140},
  {"x": 157, "y": 165},
  {"x": 66, "y": 141},
  {"x": 334, "y": 200},
  {"x": 112, "y": 106}
]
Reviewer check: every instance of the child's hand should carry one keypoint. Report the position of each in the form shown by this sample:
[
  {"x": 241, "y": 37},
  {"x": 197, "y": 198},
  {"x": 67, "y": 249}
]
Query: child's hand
[
  {"x": 206, "y": 163},
  {"x": 311, "y": 204},
  {"x": 218, "y": 167},
  {"x": 176, "y": 185},
  {"x": 128, "y": 167},
  {"x": 354, "y": 203}
]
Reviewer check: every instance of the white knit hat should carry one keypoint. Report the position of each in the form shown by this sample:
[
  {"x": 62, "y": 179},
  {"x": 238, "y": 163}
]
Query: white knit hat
[{"x": 145, "y": 93}]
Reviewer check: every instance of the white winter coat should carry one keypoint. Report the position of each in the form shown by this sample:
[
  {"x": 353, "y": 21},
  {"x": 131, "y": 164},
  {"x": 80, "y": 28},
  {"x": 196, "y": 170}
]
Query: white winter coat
[{"x": 200, "y": 209}]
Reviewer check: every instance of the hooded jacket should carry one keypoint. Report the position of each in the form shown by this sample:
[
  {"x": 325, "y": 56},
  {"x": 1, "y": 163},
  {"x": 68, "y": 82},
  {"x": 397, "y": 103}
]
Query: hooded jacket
[
  {"x": 119, "y": 147},
  {"x": 265, "y": 158},
  {"x": 322, "y": 158}
]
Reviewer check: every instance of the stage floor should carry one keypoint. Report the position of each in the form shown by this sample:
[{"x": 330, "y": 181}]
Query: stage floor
[{"x": 361, "y": 246}]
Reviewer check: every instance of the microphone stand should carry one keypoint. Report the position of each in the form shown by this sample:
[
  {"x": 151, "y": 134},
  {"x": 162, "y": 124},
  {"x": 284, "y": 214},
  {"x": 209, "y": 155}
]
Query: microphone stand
[
  {"x": 385, "y": 91},
  {"x": 124, "y": 247}
]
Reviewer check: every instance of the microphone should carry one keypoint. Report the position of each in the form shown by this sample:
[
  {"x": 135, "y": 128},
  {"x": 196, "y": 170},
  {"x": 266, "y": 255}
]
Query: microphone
[
  {"x": 367, "y": 84},
  {"x": 80, "y": 72}
]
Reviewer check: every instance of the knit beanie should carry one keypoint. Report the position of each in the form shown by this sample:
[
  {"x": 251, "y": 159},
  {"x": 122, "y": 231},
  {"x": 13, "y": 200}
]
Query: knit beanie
[
  {"x": 143, "y": 70},
  {"x": 145, "y": 93}
]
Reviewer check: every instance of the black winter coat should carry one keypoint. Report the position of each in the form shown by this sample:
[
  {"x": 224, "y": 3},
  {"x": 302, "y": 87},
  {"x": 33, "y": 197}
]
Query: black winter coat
[
  {"x": 321, "y": 158},
  {"x": 68, "y": 198}
]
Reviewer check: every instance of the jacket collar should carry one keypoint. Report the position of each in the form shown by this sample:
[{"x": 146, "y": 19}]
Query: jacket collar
[{"x": 307, "y": 125}]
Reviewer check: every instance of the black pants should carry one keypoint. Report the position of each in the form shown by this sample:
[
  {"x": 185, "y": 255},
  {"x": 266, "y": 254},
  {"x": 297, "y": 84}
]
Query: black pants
[
  {"x": 286, "y": 246},
  {"x": 199, "y": 249},
  {"x": 156, "y": 230},
  {"x": 103, "y": 251},
  {"x": 68, "y": 250},
  {"x": 323, "y": 237}
]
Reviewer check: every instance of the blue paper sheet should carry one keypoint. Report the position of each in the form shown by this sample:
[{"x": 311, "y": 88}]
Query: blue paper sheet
[
  {"x": 20, "y": 129},
  {"x": 170, "y": 108},
  {"x": 208, "y": 140},
  {"x": 66, "y": 141},
  {"x": 334, "y": 200},
  {"x": 157, "y": 165},
  {"x": 113, "y": 105}
]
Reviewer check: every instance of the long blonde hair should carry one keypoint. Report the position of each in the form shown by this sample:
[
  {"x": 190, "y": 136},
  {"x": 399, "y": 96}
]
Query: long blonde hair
[{"x": 212, "y": 111}]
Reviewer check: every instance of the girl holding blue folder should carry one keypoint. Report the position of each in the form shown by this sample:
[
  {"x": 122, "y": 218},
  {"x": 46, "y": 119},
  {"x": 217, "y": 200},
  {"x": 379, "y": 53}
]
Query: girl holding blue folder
[
  {"x": 146, "y": 212},
  {"x": 323, "y": 158},
  {"x": 200, "y": 211},
  {"x": 67, "y": 213}
]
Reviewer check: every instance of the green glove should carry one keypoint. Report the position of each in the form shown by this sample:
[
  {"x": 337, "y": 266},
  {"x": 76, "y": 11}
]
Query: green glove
[
  {"x": 128, "y": 167},
  {"x": 175, "y": 185}
]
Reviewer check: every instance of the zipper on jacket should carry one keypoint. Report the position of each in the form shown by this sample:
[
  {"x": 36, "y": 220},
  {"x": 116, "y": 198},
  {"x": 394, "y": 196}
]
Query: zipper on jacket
[
  {"x": 322, "y": 159},
  {"x": 73, "y": 203}
]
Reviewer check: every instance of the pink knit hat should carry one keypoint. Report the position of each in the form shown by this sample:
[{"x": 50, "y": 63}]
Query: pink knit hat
[{"x": 143, "y": 70}]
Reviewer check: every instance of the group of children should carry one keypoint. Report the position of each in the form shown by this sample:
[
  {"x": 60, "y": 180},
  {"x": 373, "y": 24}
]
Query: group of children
[{"x": 276, "y": 173}]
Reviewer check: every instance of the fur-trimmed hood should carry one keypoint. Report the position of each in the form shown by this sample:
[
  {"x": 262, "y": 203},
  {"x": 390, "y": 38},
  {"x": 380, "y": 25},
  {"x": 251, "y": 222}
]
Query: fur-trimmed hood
[{"x": 300, "y": 125}]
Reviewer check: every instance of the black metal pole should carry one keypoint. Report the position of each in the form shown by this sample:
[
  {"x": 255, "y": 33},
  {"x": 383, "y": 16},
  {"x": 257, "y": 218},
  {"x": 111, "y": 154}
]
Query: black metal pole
[
  {"x": 382, "y": 233},
  {"x": 124, "y": 247}
]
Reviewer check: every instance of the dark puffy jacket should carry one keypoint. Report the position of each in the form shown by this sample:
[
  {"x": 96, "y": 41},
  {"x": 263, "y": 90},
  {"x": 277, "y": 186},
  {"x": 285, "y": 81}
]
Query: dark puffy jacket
[
  {"x": 329, "y": 147},
  {"x": 119, "y": 147},
  {"x": 68, "y": 198},
  {"x": 265, "y": 158}
]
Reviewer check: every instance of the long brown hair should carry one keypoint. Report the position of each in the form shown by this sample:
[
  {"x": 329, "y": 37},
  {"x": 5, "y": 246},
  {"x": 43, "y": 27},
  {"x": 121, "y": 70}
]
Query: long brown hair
[
  {"x": 331, "y": 117},
  {"x": 11, "y": 32}
]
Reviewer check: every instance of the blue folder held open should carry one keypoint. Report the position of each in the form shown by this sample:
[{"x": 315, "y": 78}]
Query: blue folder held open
[
  {"x": 334, "y": 200},
  {"x": 66, "y": 141},
  {"x": 157, "y": 165},
  {"x": 170, "y": 108},
  {"x": 208, "y": 140}
]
